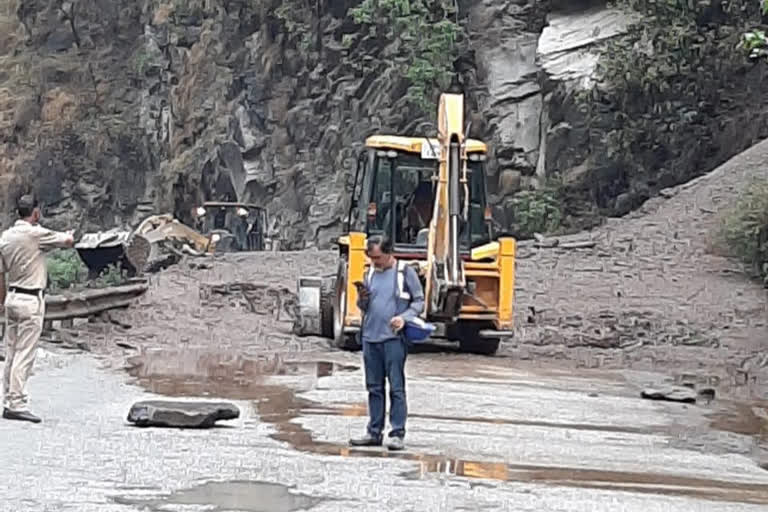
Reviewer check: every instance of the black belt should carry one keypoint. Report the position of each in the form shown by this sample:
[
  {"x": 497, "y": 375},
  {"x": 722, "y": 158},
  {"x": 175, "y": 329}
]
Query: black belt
[{"x": 27, "y": 291}]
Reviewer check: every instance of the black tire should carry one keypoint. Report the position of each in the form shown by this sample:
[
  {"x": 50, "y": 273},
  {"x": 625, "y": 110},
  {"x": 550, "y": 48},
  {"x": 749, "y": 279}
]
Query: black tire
[
  {"x": 471, "y": 342},
  {"x": 326, "y": 307},
  {"x": 341, "y": 340}
]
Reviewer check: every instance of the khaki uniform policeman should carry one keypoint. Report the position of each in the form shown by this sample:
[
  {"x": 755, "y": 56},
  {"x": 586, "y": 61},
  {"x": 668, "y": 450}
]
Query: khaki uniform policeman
[{"x": 22, "y": 267}]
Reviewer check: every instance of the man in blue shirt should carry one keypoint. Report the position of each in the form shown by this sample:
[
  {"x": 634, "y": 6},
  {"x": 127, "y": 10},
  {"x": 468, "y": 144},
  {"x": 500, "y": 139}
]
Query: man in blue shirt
[{"x": 388, "y": 301}]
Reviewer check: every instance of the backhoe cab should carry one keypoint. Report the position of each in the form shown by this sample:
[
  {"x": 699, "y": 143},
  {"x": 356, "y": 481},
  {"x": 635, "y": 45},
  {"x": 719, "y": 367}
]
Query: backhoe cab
[{"x": 429, "y": 196}]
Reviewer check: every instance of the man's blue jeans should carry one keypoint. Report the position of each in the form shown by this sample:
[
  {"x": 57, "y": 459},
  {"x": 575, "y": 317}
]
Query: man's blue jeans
[{"x": 386, "y": 361}]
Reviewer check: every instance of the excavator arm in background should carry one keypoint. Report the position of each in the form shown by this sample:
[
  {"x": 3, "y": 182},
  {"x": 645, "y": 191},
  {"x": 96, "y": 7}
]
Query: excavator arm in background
[{"x": 445, "y": 281}]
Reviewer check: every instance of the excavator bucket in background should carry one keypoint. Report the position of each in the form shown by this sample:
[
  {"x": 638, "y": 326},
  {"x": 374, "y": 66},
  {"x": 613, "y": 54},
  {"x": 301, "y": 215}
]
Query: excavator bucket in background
[
  {"x": 161, "y": 240},
  {"x": 99, "y": 251},
  {"x": 156, "y": 242}
]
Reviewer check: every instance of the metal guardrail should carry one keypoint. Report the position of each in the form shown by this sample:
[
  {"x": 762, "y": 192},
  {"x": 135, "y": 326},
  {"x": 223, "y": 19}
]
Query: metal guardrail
[{"x": 89, "y": 302}]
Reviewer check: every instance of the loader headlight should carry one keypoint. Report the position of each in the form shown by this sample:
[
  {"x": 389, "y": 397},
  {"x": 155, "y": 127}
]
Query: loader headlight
[
  {"x": 242, "y": 212},
  {"x": 477, "y": 157},
  {"x": 216, "y": 237},
  {"x": 200, "y": 211}
]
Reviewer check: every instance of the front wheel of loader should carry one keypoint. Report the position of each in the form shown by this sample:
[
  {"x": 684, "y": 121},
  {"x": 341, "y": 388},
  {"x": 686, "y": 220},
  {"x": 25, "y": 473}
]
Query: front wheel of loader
[
  {"x": 327, "y": 292},
  {"x": 470, "y": 340},
  {"x": 342, "y": 340}
]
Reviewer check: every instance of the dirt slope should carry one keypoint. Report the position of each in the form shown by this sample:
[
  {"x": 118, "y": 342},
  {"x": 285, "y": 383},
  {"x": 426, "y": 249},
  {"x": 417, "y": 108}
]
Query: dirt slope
[{"x": 651, "y": 285}]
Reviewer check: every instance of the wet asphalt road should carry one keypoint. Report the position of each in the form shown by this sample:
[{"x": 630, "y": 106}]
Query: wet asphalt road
[{"x": 492, "y": 440}]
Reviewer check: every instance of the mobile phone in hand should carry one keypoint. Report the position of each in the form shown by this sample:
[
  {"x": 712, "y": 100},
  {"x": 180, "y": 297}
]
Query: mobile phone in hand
[{"x": 361, "y": 288}]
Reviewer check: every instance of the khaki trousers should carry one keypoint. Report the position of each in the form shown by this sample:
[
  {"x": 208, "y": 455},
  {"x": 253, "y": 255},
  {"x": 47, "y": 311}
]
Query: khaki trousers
[{"x": 23, "y": 324}]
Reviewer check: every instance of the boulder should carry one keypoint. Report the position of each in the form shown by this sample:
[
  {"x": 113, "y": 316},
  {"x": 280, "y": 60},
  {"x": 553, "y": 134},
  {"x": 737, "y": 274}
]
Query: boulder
[{"x": 181, "y": 414}]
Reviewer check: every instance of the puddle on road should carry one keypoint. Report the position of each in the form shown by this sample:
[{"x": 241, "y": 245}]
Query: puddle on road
[
  {"x": 201, "y": 373},
  {"x": 749, "y": 419},
  {"x": 301, "y": 439},
  {"x": 240, "y": 496}
]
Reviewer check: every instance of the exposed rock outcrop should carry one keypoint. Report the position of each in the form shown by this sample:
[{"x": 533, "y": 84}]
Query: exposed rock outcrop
[
  {"x": 663, "y": 106},
  {"x": 529, "y": 60}
]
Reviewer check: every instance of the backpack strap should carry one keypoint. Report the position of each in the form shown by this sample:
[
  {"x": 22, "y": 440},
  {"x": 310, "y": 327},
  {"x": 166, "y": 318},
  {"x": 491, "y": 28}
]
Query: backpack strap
[
  {"x": 401, "y": 287},
  {"x": 401, "y": 290}
]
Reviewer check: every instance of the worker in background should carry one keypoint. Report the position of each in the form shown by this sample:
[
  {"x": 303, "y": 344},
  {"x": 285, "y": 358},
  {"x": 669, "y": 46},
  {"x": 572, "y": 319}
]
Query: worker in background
[
  {"x": 420, "y": 209},
  {"x": 385, "y": 312},
  {"x": 22, "y": 267}
]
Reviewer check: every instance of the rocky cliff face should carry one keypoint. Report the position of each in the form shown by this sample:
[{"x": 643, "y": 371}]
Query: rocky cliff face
[
  {"x": 533, "y": 58},
  {"x": 113, "y": 109}
]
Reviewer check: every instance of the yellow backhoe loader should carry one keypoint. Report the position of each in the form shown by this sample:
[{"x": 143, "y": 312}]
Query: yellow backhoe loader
[{"x": 429, "y": 196}]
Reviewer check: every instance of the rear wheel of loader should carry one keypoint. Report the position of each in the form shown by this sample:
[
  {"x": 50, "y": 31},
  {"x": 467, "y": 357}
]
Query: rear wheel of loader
[
  {"x": 470, "y": 340},
  {"x": 341, "y": 339}
]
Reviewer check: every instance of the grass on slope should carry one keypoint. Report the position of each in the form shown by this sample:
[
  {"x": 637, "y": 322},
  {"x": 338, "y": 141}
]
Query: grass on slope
[{"x": 744, "y": 230}]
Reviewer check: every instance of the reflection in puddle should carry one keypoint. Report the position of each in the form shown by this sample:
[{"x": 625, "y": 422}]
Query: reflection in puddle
[
  {"x": 243, "y": 496},
  {"x": 716, "y": 490},
  {"x": 487, "y": 470}
]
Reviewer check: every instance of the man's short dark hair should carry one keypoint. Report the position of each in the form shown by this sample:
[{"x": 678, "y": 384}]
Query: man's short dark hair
[
  {"x": 26, "y": 205},
  {"x": 382, "y": 242}
]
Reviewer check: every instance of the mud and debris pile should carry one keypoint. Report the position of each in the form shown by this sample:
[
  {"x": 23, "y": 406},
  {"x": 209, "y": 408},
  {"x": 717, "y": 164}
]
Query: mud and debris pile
[
  {"x": 641, "y": 291},
  {"x": 608, "y": 329},
  {"x": 277, "y": 301}
]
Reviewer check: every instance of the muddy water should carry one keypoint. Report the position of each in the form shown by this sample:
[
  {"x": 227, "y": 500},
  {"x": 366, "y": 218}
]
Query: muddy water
[
  {"x": 746, "y": 418},
  {"x": 202, "y": 372},
  {"x": 273, "y": 383}
]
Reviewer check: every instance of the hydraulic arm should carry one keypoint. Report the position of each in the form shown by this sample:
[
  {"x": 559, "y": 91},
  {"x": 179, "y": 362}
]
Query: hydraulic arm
[{"x": 445, "y": 270}]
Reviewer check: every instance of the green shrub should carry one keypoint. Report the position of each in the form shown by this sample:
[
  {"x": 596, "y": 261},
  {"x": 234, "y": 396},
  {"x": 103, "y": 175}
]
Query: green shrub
[
  {"x": 111, "y": 276},
  {"x": 65, "y": 269},
  {"x": 755, "y": 42},
  {"x": 744, "y": 230},
  {"x": 430, "y": 36},
  {"x": 537, "y": 211}
]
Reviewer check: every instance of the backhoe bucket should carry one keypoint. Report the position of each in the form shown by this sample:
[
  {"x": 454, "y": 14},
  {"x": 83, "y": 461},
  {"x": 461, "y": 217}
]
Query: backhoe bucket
[{"x": 99, "y": 251}]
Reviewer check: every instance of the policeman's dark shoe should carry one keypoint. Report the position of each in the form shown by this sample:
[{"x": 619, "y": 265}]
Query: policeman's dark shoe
[
  {"x": 396, "y": 444},
  {"x": 366, "y": 440},
  {"x": 20, "y": 416}
]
